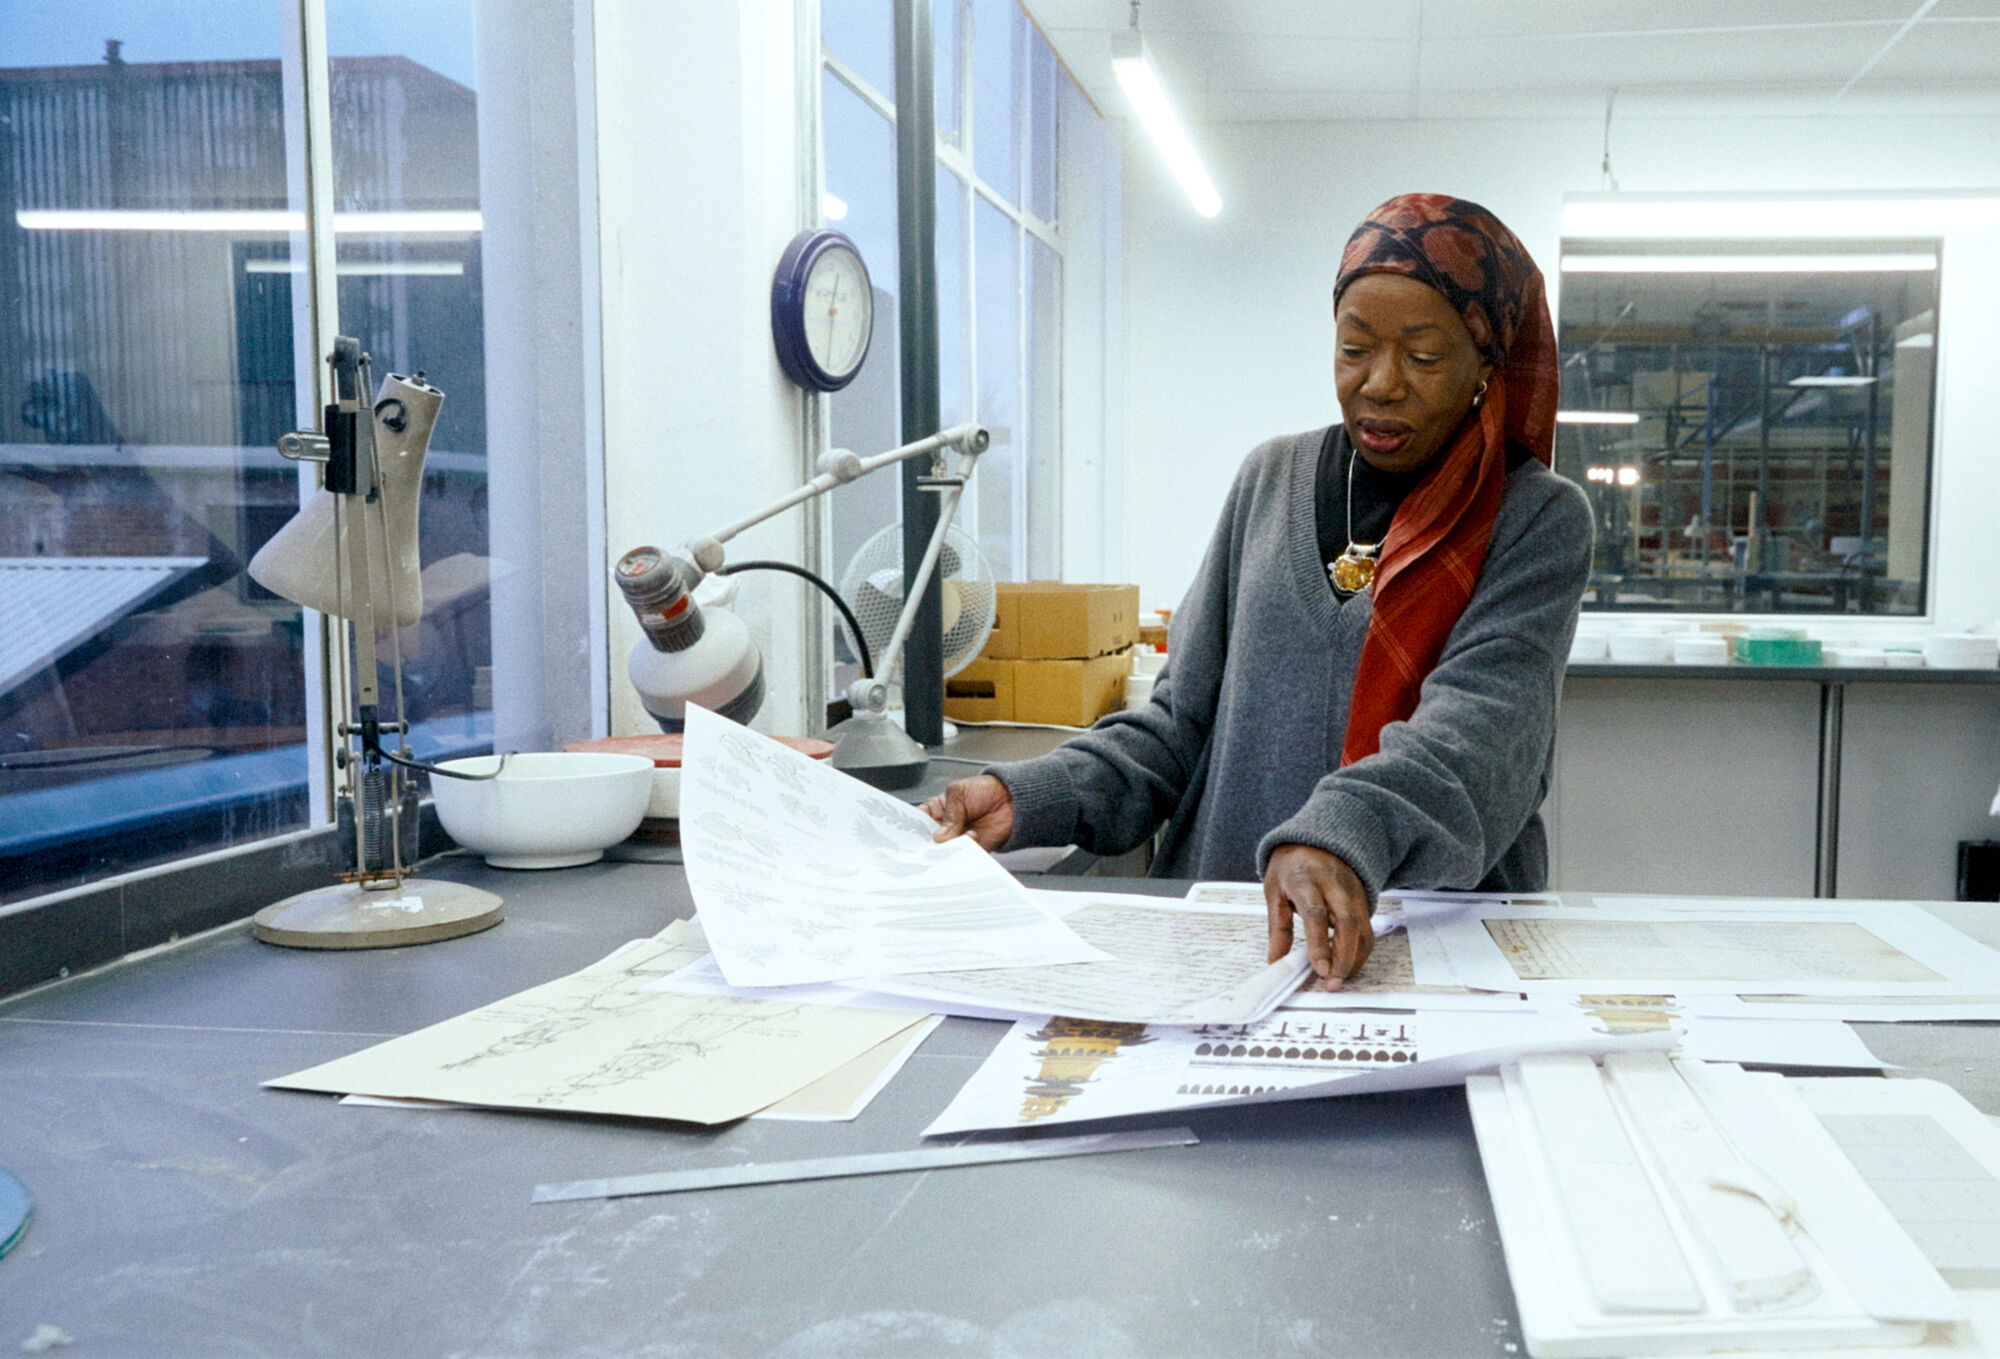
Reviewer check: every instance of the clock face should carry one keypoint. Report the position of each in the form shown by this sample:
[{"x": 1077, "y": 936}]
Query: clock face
[
  {"x": 822, "y": 310},
  {"x": 839, "y": 309}
]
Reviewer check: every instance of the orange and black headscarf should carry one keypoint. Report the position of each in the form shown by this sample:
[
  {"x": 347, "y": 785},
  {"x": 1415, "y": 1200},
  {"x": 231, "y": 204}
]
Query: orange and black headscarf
[{"x": 1437, "y": 542}]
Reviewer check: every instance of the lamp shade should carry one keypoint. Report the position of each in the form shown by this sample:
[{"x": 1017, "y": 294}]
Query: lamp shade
[{"x": 304, "y": 563}]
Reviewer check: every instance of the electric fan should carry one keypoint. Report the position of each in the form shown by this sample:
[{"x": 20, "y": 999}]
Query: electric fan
[{"x": 873, "y": 589}]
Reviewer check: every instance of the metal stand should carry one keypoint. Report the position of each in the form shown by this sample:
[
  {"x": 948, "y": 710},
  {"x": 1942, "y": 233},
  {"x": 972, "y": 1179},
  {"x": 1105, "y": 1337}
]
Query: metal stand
[{"x": 1826, "y": 838}]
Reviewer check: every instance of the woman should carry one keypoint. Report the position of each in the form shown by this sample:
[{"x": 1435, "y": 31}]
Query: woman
[{"x": 1363, "y": 678}]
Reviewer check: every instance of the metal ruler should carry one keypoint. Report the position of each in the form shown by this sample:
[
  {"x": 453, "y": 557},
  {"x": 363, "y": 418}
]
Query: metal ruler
[{"x": 879, "y": 1163}]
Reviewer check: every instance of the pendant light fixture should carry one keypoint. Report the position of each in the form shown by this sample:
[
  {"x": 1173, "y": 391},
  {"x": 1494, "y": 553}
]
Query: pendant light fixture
[{"x": 1139, "y": 77}]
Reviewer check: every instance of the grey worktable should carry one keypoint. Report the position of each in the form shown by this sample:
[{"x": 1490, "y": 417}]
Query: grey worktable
[{"x": 185, "y": 1211}]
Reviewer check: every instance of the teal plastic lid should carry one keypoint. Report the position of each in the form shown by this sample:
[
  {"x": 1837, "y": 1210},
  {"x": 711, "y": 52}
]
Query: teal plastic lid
[{"x": 15, "y": 1210}]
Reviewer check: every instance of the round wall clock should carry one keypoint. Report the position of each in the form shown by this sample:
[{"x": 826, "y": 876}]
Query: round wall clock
[{"x": 822, "y": 310}]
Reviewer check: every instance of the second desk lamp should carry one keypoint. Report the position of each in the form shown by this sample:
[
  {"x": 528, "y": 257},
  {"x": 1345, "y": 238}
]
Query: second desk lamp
[{"x": 707, "y": 657}]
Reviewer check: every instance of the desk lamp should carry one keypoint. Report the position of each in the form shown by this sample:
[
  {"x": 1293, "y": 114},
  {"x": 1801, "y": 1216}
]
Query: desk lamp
[
  {"x": 351, "y": 553},
  {"x": 688, "y": 655}
]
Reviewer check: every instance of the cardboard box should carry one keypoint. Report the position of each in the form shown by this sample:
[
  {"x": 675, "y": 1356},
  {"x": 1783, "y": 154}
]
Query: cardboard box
[
  {"x": 1050, "y": 620},
  {"x": 982, "y": 692},
  {"x": 1070, "y": 693}
]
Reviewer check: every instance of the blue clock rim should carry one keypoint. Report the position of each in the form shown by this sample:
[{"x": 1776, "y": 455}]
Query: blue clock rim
[{"x": 788, "y": 309}]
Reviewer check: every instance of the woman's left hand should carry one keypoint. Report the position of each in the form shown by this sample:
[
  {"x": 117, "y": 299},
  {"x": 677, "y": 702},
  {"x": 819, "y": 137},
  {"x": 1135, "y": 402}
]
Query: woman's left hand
[{"x": 1328, "y": 897}]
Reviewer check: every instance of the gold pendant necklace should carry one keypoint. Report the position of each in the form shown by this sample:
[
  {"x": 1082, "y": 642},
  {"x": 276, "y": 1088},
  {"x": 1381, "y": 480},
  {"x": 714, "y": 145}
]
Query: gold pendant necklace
[{"x": 1353, "y": 571}]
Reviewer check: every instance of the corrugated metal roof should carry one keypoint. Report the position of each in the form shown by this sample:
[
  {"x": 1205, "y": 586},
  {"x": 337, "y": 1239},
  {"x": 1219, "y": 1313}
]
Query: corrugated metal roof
[{"x": 50, "y": 604}]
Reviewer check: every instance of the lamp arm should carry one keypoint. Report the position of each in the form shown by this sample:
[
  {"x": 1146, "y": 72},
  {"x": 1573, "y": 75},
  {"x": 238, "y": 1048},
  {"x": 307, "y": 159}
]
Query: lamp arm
[
  {"x": 872, "y": 695},
  {"x": 836, "y": 469}
]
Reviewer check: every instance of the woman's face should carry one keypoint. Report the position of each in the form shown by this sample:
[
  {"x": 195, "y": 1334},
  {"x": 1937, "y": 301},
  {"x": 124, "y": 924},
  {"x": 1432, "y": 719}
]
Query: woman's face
[{"x": 1405, "y": 369}]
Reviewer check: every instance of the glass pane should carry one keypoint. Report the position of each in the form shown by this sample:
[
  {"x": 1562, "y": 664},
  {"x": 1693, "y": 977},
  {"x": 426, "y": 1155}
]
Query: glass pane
[
  {"x": 1001, "y": 474},
  {"x": 406, "y": 152},
  {"x": 862, "y": 34},
  {"x": 152, "y": 698},
  {"x": 1759, "y": 427},
  {"x": 999, "y": 59},
  {"x": 1044, "y": 422},
  {"x": 954, "y": 268},
  {"x": 1044, "y": 98},
  {"x": 948, "y": 22},
  {"x": 866, "y": 415}
]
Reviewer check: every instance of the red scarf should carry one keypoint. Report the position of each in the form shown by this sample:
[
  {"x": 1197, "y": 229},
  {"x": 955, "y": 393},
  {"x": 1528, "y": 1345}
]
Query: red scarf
[{"x": 1432, "y": 554}]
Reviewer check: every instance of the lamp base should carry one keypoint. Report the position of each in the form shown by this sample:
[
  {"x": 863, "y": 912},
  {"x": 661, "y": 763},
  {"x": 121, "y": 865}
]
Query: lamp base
[
  {"x": 877, "y": 751},
  {"x": 421, "y": 911}
]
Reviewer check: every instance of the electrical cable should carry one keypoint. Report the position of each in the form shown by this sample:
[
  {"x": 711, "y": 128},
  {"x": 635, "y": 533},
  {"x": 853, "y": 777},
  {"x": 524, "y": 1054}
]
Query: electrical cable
[{"x": 853, "y": 623}]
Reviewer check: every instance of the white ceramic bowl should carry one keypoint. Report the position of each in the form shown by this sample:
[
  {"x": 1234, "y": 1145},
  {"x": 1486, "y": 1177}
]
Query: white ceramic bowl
[{"x": 552, "y": 809}]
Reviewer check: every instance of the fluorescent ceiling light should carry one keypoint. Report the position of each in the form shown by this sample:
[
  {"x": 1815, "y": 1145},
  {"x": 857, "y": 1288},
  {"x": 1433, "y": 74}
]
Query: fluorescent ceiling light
[
  {"x": 1636, "y": 216},
  {"x": 1831, "y": 380},
  {"x": 353, "y": 268},
  {"x": 1911, "y": 263},
  {"x": 1597, "y": 417},
  {"x": 248, "y": 221},
  {"x": 1137, "y": 76}
]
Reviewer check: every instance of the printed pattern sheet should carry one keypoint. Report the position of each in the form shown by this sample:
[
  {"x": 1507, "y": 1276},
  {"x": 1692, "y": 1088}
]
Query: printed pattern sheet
[
  {"x": 803, "y": 874},
  {"x": 1167, "y": 962},
  {"x": 1052, "y": 1069}
]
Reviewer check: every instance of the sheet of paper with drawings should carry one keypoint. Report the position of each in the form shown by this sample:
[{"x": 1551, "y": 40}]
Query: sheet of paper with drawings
[
  {"x": 598, "y": 1042},
  {"x": 1166, "y": 962},
  {"x": 1846, "y": 949},
  {"x": 803, "y": 874}
]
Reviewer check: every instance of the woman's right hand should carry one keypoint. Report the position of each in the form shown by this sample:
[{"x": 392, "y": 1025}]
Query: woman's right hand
[{"x": 979, "y": 806}]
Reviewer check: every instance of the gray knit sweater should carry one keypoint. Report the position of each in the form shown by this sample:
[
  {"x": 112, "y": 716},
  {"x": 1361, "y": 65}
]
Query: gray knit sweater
[{"x": 1239, "y": 750}]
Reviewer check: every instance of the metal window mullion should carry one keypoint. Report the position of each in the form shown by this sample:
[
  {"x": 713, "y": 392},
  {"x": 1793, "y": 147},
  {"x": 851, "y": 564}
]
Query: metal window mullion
[
  {"x": 327, "y": 691},
  {"x": 813, "y": 411},
  {"x": 851, "y": 78}
]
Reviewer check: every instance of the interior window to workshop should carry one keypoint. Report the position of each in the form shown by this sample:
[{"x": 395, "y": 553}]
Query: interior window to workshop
[
  {"x": 152, "y": 696},
  {"x": 1752, "y": 422}
]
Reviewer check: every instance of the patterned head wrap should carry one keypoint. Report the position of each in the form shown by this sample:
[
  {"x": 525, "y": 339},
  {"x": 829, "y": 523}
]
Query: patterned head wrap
[{"x": 1437, "y": 542}]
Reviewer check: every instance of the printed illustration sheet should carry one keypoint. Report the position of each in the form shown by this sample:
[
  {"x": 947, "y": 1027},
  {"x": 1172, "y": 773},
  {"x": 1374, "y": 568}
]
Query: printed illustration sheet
[
  {"x": 1058, "y": 1070},
  {"x": 1167, "y": 962},
  {"x": 1844, "y": 949},
  {"x": 598, "y": 1042},
  {"x": 803, "y": 874}
]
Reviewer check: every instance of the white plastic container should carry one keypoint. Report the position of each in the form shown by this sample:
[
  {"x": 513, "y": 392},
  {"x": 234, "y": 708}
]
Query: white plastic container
[
  {"x": 552, "y": 809},
  {"x": 1138, "y": 691},
  {"x": 1586, "y": 646},
  {"x": 1961, "y": 651},
  {"x": 1641, "y": 648},
  {"x": 1700, "y": 649},
  {"x": 1857, "y": 657},
  {"x": 1897, "y": 658}
]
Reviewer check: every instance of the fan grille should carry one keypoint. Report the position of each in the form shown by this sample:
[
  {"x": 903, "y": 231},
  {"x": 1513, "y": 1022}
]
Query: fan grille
[{"x": 873, "y": 588}]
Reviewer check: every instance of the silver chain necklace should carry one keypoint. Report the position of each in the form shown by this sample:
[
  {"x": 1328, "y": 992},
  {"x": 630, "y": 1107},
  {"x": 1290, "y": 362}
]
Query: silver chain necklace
[{"x": 1353, "y": 571}]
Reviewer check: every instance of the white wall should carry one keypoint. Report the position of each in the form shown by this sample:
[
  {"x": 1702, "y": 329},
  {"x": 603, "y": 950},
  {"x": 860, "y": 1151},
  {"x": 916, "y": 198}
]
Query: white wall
[
  {"x": 698, "y": 192},
  {"x": 1228, "y": 327}
]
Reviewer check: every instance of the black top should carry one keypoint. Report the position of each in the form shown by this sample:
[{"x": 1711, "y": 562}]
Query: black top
[{"x": 1377, "y": 495}]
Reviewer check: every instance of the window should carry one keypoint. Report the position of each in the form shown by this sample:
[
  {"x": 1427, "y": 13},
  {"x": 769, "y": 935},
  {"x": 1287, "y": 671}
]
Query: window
[
  {"x": 156, "y": 324},
  {"x": 1752, "y": 421},
  {"x": 999, "y": 90}
]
